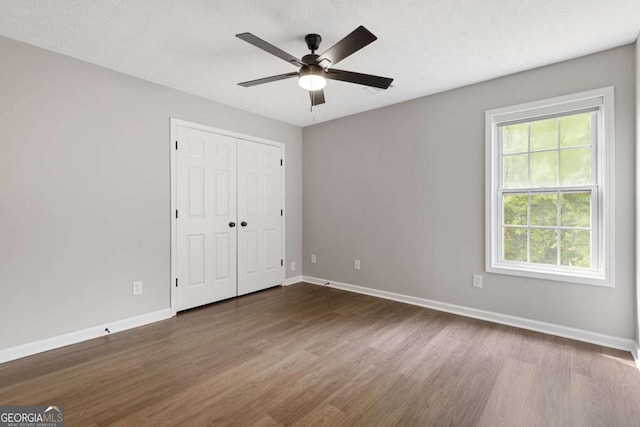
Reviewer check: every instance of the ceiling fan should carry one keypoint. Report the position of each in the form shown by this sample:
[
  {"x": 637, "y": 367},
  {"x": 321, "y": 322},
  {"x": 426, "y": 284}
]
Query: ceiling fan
[{"x": 316, "y": 69}]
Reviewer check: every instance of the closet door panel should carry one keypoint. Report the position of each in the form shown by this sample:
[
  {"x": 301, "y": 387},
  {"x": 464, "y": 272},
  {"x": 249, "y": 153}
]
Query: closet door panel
[
  {"x": 259, "y": 214},
  {"x": 206, "y": 196}
]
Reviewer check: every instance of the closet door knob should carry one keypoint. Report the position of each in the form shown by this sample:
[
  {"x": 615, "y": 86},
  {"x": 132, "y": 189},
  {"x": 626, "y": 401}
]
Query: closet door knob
[
  {"x": 232, "y": 224},
  {"x": 243, "y": 223}
]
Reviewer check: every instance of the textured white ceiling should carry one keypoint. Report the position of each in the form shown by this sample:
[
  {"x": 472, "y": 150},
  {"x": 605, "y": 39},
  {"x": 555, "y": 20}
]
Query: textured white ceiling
[{"x": 427, "y": 46}]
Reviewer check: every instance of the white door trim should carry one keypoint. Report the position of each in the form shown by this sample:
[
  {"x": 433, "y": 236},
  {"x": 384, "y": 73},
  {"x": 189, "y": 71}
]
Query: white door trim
[{"x": 175, "y": 123}]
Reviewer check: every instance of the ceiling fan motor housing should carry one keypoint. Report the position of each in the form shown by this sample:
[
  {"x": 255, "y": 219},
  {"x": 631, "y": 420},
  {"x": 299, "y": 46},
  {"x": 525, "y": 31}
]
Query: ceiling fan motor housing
[{"x": 310, "y": 59}]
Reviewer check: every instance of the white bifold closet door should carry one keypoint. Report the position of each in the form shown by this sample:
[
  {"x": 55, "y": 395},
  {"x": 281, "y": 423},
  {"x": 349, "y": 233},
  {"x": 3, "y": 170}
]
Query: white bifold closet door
[{"x": 229, "y": 225}]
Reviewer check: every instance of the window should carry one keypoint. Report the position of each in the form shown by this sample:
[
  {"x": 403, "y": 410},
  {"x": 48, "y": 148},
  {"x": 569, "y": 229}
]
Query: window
[{"x": 549, "y": 189}]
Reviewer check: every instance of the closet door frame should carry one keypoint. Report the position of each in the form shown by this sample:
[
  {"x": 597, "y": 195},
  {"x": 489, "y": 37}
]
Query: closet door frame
[{"x": 174, "y": 125}]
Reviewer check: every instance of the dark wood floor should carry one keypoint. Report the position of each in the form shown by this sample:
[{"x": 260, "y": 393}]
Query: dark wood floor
[{"x": 308, "y": 355}]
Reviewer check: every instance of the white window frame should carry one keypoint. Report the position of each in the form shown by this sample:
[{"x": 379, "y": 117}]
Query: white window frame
[{"x": 602, "y": 102}]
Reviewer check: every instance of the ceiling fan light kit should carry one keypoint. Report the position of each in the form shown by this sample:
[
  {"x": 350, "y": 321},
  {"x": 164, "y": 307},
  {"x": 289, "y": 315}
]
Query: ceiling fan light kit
[
  {"x": 314, "y": 70},
  {"x": 311, "y": 77}
]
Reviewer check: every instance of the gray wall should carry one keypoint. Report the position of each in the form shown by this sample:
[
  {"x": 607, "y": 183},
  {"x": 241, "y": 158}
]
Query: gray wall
[
  {"x": 84, "y": 190},
  {"x": 402, "y": 189}
]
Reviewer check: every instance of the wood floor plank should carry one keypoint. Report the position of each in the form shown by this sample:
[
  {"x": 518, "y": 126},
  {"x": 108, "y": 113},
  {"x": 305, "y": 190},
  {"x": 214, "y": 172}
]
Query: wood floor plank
[
  {"x": 389, "y": 404},
  {"x": 434, "y": 356},
  {"x": 323, "y": 415},
  {"x": 265, "y": 421},
  {"x": 550, "y": 397},
  {"x": 307, "y": 355},
  {"x": 508, "y": 401}
]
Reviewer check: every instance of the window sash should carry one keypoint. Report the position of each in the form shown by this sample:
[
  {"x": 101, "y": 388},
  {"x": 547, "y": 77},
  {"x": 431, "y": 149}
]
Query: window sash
[
  {"x": 595, "y": 255},
  {"x": 595, "y": 118}
]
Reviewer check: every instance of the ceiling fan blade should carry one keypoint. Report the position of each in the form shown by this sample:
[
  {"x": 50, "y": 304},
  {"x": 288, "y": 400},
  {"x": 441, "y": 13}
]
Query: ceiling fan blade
[
  {"x": 353, "y": 42},
  {"x": 317, "y": 97},
  {"x": 268, "y": 47},
  {"x": 268, "y": 79},
  {"x": 358, "y": 78}
]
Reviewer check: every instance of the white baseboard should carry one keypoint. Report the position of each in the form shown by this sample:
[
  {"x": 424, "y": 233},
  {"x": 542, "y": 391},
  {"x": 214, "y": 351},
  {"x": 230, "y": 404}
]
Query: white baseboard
[
  {"x": 292, "y": 280},
  {"x": 83, "y": 335},
  {"x": 518, "y": 322},
  {"x": 635, "y": 352}
]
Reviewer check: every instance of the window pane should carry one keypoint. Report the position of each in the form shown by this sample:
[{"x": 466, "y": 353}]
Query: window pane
[
  {"x": 544, "y": 209},
  {"x": 544, "y": 169},
  {"x": 515, "y": 244},
  {"x": 575, "y": 166},
  {"x": 515, "y": 209},
  {"x": 575, "y": 130},
  {"x": 515, "y": 138},
  {"x": 576, "y": 209},
  {"x": 575, "y": 248},
  {"x": 514, "y": 171},
  {"x": 544, "y": 134},
  {"x": 544, "y": 246}
]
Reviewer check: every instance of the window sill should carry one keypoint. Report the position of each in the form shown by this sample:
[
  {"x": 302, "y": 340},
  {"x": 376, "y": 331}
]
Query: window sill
[{"x": 593, "y": 279}]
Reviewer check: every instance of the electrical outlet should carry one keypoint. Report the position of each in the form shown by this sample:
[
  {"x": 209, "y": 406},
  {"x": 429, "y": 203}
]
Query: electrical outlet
[
  {"x": 293, "y": 265},
  {"x": 313, "y": 258},
  {"x": 477, "y": 281},
  {"x": 356, "y": 264},
  {"x": 137, "y": 288}
]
